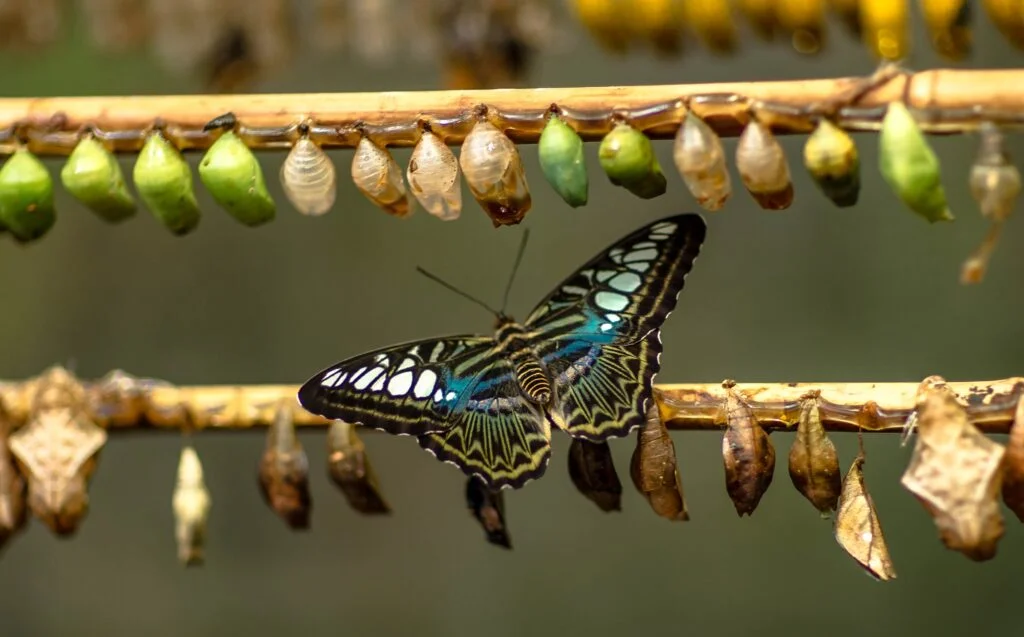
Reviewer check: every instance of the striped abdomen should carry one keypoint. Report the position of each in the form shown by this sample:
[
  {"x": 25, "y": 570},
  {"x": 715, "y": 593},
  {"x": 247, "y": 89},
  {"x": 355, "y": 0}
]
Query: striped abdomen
[{"x": 533, "y": 380}]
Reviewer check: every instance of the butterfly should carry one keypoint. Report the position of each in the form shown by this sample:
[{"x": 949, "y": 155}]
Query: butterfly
[{"x": 584, "y": 361}]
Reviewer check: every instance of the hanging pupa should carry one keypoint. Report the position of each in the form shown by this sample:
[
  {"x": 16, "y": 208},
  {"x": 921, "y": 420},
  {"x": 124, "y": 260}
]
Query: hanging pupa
[
  {"x": 995, "y": 185},
  {"x": 831, "y": 158},
  {"x": 560, "y": 150},
  {"x": 13, "y": 512},
  {"x": 713, "y": 23},
  {"x": 433, "y": 176},
  {"x": 848, "y": 12},
  {"x": 349, "y": 467},
  {"x": 592, "y": 472},
  {"x": 627, "y": 157},
  {"x": 284, "y": 470},
  {"x": 26, "y": 197},
  {"x": 949, "y": 24},
  {"x": 488, "y": 507},
  {"x": 93, "y": 176},
  {"x": 191, "y": 505},
  {"x": 495, "y": 175},
  {"x": 232, "y": 174},
  {"x": 378, "y": 176},
  {"x": 308, "y": 179},
  {"x": 604, "y": 20},
  {"x": 1013, "y": 463},
  {"x": 760, "y": 14},
  {"x": 885, "y": 28},
  {"x": 813, "y": 461},
  {"x": 763, "y": 167},
  {"x": 748, "y": 455},
  {"x": 654, "y": 471},
  {"x": 857, "y": 528},
  {"x": 700, "y": 159},
  {"x": 804, "y": 20},
  {"x": 1008, "y": 17},
  {"x": 164, "y": 181},
  {"x": 910, "y": 166}
]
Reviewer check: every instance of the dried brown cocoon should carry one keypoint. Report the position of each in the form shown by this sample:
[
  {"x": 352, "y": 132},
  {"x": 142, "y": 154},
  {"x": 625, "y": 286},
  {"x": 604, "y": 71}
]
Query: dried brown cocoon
[
  {"x": 654, "y": 469},
  {"x": 13, "y": 513},
  {"x": 284, "y": 470},
  {"x": 349, "y": 467},
  {"x": 1013, "y": 464},
  {"x": 592, "y": 471},
  {"x": 57, "y": 450},
  {"x": 488, "y": 507},
  {"x": 857, "y": 528},
  {"x": 748, "y": 454},
  {"x": 956, "y": 473},
  {"x": 813, "y": 461}
]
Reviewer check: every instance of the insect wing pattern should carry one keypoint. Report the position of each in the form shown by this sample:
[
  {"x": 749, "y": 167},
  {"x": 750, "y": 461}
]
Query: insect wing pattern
[
  {"x": 597, "y": 336},
  {"x": 599, "y": 333}
]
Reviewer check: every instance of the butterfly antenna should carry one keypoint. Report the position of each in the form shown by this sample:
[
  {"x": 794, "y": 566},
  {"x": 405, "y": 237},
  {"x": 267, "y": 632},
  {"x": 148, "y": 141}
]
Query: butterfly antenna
[
  {"x": 515, "y": 268},
  {"x": 465, "y": 295}
]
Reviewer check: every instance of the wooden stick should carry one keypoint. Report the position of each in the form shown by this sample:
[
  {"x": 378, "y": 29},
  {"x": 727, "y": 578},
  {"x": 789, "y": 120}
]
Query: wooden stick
[
  {"x": 122, "y": 402},
  {"x": 950, "y": 101}
]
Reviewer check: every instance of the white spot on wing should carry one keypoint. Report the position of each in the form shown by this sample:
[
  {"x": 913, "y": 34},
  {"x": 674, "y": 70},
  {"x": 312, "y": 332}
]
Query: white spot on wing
[
  {"x": 406, "y": 364},
  {"x": 400, "y": 384},
  {"x": 329, "y": 380},
  {"x": 625, "y": 282},
  {"x": 611, "y": 301},
  {"x": 613, "y": 318},
  {"x": 639, "y": 266},
  {"x": 379, "y": 385},
  {"x": 450, "y": 396},
  {"x": 642, "y": 255},
  {"x": 365, "y": 379},
  {"x": 425, "y": 384},
  {"x": 438, "y": 396}
]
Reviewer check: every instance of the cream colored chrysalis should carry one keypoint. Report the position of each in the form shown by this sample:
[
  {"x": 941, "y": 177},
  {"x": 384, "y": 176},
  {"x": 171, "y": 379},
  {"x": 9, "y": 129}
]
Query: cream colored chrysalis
[
  {"x": 494, "y": 172},
  {"x": 378, "y": 176},
  {"x": 191, "y": 504},
  {"x": 434, "y": 177},
  {"x": 763, "y": 167},
  {"x": 308, "y": 179},
  {"x": 700, "y": 158}
]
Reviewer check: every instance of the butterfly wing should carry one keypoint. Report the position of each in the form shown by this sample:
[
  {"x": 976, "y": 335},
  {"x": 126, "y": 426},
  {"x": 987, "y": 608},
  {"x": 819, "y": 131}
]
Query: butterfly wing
[
  {"x": 458, "y": 395},
  {"x": 496, "y": 434},
  {"x": 599, "y": 332},
  {"x": 408, "y": 389}
]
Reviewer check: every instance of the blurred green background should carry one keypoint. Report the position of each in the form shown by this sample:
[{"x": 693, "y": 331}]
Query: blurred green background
[{"x": 814, "y": 293}]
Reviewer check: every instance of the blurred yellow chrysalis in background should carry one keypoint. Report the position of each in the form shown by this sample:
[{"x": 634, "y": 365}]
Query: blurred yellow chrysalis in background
[{"x": 885, "y": 27}]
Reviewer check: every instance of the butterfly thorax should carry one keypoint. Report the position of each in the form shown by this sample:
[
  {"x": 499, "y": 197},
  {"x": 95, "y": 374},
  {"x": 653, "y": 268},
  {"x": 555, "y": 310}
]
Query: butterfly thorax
[{"x": 514, "y": 342}]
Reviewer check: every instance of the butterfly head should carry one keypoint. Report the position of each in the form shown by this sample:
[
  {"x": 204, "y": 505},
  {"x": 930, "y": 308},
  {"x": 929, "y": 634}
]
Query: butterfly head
[{"x": 501, "y": 320}]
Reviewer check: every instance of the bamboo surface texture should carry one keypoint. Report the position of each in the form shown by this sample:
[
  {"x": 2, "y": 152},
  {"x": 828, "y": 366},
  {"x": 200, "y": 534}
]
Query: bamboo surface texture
[
  {"x": 123, "y": 402},
  {"x": 948, "y": 101}
]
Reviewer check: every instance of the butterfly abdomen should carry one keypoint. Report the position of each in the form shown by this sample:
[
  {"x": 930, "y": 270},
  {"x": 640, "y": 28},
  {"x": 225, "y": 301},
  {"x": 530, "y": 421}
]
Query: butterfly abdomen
[{"x": 533, "y": 380}]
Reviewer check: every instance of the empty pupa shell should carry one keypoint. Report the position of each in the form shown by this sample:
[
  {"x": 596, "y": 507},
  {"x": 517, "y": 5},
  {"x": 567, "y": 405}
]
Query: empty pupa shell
[
  {"x": 308, "y": 180},
  {"x": 995, "y": 182},
  {"x": 232, "y": 174},
  {"x": 488, "y": 507},
  {"x": 700, "y": 159},
  {"x": 495, "y": 175},
  {"x": 560, "y": 150},
  {"x": 763, "y": 167},
  {"x": 910, "y": 166},
  {"x": 26, "y": 197},
  {"x": 831, "y": 158},
  {"x": 378, "y": 176},
  {"x": 434, "y": 177},
  {"x": 191, "y": 505},
  {"x": 592, "y": 472},
  {"x": 93, "y": 177},
  {"x": 627, "y": 157},
  {"x": 164, "y": 181}
]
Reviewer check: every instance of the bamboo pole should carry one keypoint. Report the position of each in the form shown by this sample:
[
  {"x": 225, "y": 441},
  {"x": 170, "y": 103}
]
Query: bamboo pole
[
  {"x": 949, "y": 101},
  {"x": 122, "y": 402}
]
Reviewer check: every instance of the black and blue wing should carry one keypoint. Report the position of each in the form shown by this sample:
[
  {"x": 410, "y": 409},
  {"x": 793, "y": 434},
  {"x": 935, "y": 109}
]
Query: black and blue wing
[
  {"x": 408, "y": 389},
  {"x": 496, "y": 433},
  {"x": 598, "y": 333},
  {"x": 458, "y": 395}
]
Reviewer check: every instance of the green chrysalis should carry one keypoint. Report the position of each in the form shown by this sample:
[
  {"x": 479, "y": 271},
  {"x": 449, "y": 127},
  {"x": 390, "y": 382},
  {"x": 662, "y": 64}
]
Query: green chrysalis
[
  {"x": 561, "y": 158},
  {"x": 93, "y": 177},
  {"x": 26, "y": 197},
  {"x": 627, "y": 157},
  {"x": 910, "y": 166},
  {"x": 831, "y": 158},
  {"x": 232, "y": 174},
  {"x": 164, "y": 182}
]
